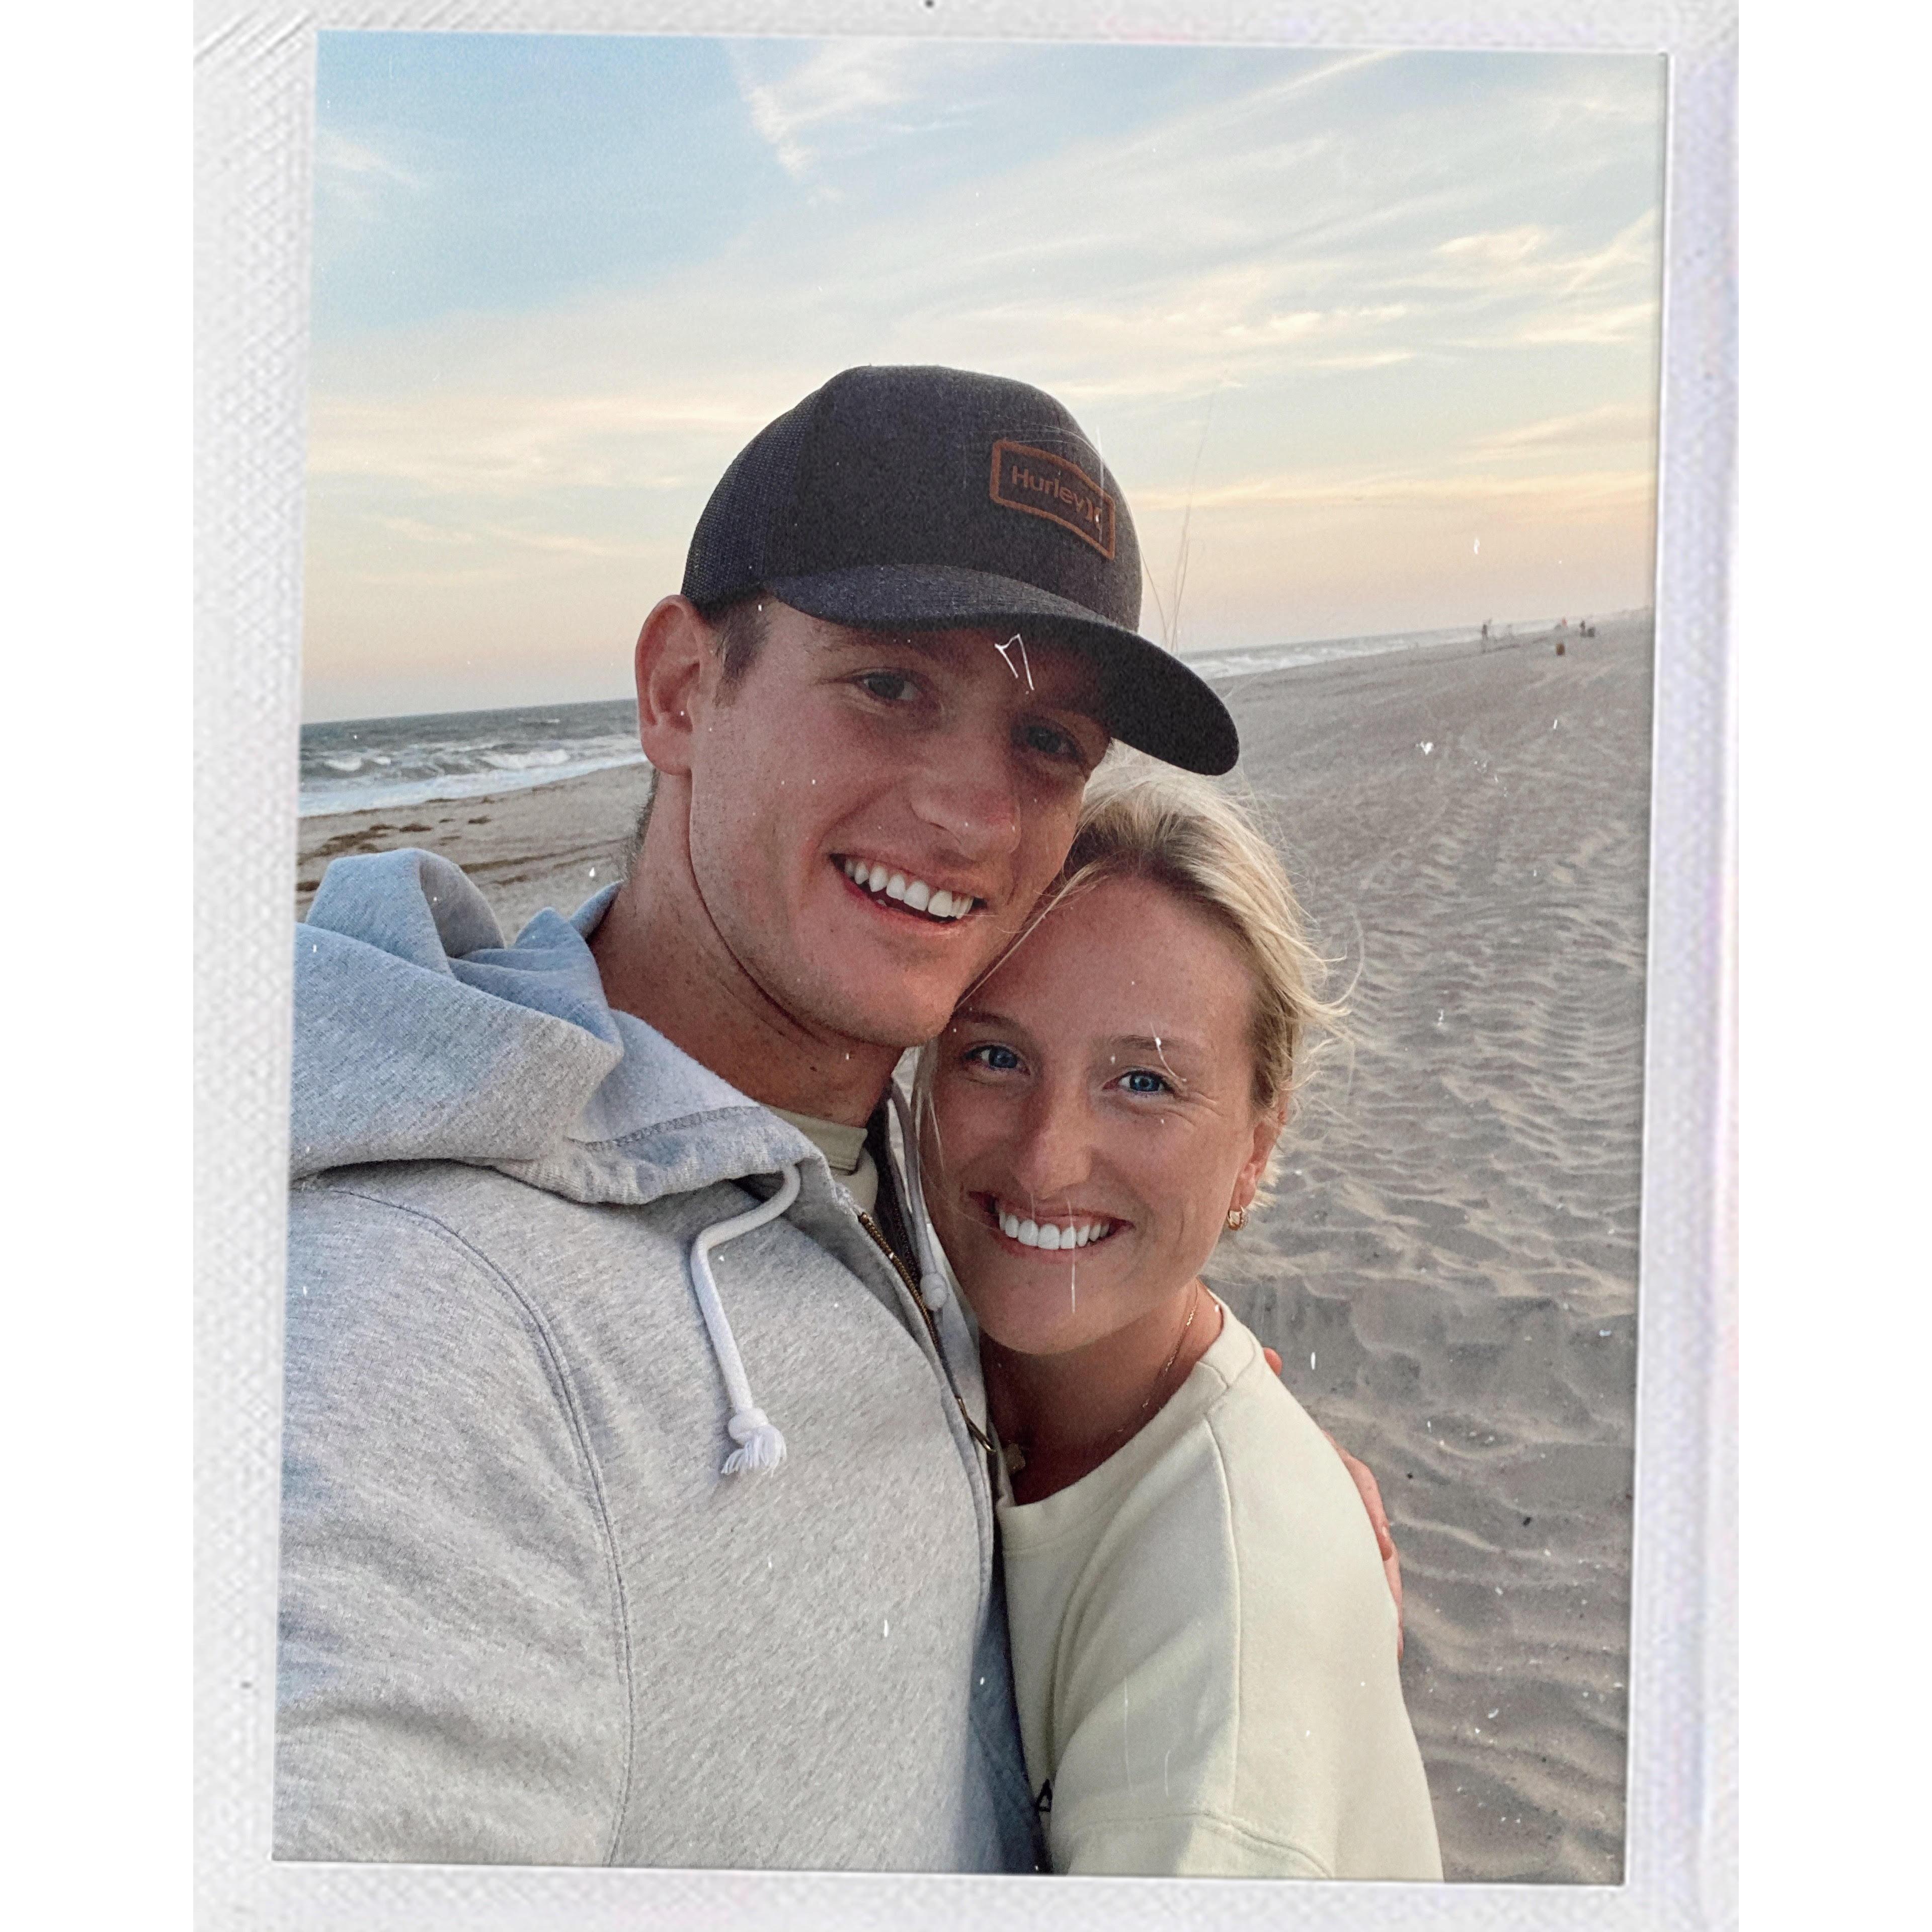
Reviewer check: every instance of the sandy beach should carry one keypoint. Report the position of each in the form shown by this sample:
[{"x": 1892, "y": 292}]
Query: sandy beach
[
  {"x": 1449, "y": 1269},
  {"x": 553, "y": 845}
]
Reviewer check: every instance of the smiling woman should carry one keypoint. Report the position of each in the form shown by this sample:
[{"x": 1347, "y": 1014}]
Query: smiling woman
[{"x": 1204, "y": 1654}]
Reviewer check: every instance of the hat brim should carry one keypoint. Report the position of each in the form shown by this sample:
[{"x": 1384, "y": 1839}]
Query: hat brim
[{"x": 1153, "y": 702}]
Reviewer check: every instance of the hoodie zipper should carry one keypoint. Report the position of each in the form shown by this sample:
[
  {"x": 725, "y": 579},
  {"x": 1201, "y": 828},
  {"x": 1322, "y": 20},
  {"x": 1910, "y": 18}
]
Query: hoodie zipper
[{"x": 886, "y": 1248}]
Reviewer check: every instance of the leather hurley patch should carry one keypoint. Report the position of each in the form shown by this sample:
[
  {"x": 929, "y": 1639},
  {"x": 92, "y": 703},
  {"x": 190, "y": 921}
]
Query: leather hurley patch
[{"x": 1045, "y": 485}]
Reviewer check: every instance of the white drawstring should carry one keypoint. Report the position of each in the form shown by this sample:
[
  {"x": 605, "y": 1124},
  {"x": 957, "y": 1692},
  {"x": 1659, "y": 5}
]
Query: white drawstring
[
  {"x": 932, "y": 1289},
  {"x": 761, "y": 1446}
]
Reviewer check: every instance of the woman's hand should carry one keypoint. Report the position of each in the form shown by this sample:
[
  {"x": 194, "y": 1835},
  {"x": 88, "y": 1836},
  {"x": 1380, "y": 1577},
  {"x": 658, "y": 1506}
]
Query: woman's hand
[{"x": 1364, "y": 1480}]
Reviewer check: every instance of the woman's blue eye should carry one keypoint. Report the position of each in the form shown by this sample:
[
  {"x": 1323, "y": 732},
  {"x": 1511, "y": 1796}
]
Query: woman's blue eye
[
  {"x": 1000, "y": 1059},
  {"x": 1141, "y": 1081}
]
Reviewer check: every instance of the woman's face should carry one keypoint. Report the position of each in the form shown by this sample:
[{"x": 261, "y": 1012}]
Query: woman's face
[{"x": 1093, "y": 1118}]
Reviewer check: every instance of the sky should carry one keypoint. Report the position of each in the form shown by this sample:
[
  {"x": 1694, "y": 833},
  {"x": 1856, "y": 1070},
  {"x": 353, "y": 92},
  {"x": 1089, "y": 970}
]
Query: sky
[{"x": 1369, "y": 340}]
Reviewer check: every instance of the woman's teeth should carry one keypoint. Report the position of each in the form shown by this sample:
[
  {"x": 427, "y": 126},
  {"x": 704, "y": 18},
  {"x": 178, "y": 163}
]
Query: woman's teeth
[
  {"x": 914, "y": 894},
  {"x": 1049, "y": 1235}
]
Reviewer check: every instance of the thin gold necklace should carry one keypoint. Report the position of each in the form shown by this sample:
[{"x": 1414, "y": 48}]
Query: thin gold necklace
[
  {"x": 1014, "y": 1454},
  {"x": 1134, "y": 1420}
]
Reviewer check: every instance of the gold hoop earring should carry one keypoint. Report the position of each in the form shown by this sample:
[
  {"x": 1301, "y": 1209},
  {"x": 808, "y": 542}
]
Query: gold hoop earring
[{"x": 1236, "y": 1216}]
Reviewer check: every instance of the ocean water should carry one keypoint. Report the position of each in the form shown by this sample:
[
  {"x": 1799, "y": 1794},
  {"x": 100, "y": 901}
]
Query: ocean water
[
  {"x": 378, "y": 763},
  {"x": 1253, "y": 659},
  {"x": 370, "y": 764}
]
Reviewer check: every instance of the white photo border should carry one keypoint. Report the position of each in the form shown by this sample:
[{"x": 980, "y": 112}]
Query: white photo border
[{"x": 255, "y": 116}]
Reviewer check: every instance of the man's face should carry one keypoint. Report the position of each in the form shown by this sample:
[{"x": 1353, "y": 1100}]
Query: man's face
[{"x": 858, "y": 788}]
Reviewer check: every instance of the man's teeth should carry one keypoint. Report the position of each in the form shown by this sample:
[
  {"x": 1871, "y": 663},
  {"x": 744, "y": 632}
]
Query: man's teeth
[
  {"x": 1050, "y": 1234},
  {"x": 913, "y": 892}
]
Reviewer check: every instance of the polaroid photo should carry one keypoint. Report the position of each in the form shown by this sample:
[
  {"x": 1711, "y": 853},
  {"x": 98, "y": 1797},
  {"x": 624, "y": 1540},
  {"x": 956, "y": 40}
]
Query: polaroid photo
[{"x": 923, "y": 430}]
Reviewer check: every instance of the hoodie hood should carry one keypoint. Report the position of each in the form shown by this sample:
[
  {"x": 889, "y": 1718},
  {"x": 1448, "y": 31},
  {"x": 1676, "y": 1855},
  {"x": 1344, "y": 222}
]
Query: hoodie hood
[{"x": 421, "y": 1036}]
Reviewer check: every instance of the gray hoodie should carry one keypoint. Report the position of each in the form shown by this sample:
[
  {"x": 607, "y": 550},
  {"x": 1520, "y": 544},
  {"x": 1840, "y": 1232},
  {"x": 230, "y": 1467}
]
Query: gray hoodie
[{"x": 525, "y": 1616}]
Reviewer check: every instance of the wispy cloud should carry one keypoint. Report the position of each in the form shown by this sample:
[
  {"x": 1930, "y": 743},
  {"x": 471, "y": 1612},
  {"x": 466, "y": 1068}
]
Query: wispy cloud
[
  {"x": 415, "y": 530},
  {"x": 1630, "y": 322},
  {"x": 1560, "y": 288},
  {"x": 497, "y": 442},
  {"x": 1482, "y": 258},
  {"x": 1555, "y": 492},
  {"x": 842, "y": 96},
  {"x": 355, "y": 179},
  {"x": 1609, "y": 423},
  {"x": 335, "y": 153}
]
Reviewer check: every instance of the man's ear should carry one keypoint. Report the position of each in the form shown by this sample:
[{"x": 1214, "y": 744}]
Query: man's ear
[
  {"x": 1267, "y": 1131},
  {"x": 674, "y": 648}
]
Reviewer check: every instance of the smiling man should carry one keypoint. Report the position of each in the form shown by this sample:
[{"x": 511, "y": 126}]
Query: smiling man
[{"x": 635, "y": 1505}]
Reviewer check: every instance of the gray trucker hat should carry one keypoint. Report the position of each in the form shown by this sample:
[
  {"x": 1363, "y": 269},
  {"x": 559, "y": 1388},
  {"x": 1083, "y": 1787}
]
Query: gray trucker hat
[{"x": 932, "y": 497}]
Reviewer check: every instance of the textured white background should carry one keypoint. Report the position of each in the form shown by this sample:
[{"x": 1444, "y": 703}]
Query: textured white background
[{"x": 254, "y": 126}]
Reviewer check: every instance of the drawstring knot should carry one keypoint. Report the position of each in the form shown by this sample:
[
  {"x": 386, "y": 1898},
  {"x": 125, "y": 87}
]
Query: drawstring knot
[
  {"x": 760, "y": 1446},
  {"x": 763, "y": 1448}
]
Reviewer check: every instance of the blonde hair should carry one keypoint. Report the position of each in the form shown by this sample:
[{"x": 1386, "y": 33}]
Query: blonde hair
[{"x": 1145, "y": 821}]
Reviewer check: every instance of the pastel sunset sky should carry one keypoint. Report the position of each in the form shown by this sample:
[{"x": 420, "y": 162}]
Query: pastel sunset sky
[{"x": 1379, "y": 330}]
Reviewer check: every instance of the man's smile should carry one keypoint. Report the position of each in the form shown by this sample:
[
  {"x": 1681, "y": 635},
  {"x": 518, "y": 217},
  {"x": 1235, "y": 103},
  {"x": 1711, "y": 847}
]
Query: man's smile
[{"x": 887, "y": 885}]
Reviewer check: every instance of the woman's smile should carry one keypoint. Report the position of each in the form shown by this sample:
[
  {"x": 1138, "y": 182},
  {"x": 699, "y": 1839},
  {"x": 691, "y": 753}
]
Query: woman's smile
[{"x": 1026, "y": 1227}]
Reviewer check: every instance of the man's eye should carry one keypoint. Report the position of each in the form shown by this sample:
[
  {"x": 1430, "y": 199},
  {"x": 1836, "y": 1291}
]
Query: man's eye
[
  {"x": 892, "y": 685},
  {"x": 999, "y": 1059},
  {"x": 1049, "y": 742},
  {"x": 1141, "y": 1081}
]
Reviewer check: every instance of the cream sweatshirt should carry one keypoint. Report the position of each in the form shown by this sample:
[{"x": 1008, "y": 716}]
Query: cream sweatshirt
[{"x": 1204, "y": 1650}]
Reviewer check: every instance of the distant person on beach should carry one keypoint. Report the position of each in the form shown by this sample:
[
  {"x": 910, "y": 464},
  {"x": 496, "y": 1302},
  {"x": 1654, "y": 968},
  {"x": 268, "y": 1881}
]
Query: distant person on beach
[
  {"x": 591, "y": 1232},
  {"x": 1204, "y": 1650}
]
